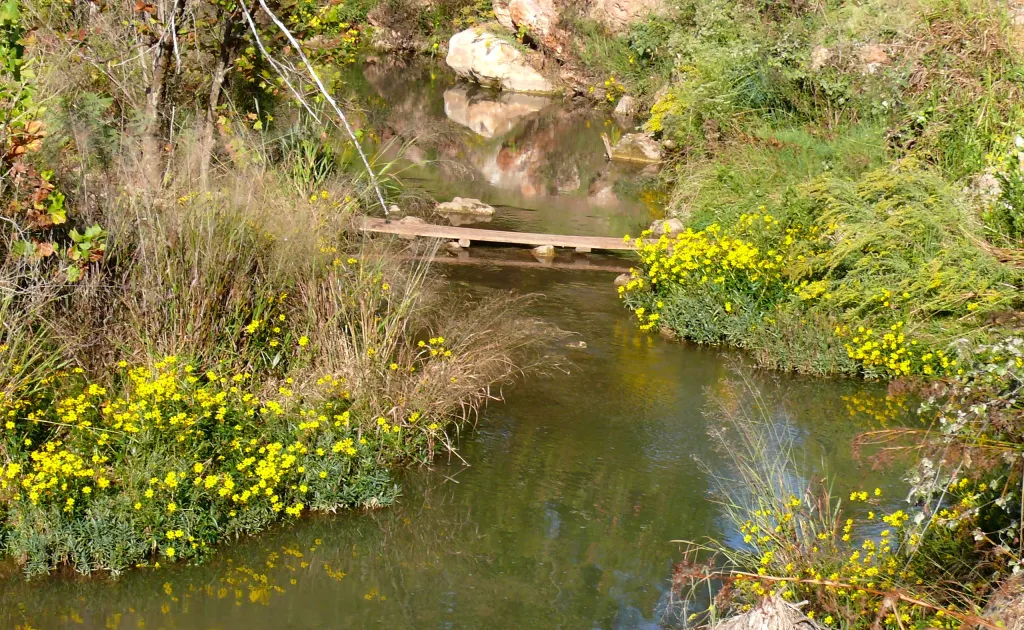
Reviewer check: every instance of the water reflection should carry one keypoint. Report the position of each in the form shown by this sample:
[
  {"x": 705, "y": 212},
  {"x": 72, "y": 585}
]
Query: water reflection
[
  {"x": 488, "y": 114},
  {"x": 539, "y": 161}
]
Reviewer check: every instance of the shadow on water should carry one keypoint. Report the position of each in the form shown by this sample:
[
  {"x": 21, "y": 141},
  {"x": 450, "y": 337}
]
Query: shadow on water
[{"x": 576, "y": 483}]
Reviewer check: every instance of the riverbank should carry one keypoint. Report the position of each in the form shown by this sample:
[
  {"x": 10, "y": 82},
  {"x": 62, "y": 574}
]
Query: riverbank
[
  {"x": 844, "y": 184},
  {"x": 195, "y": 342},
  {"x": 194, "y": 334},
  {"x": 560, "y": 514}
]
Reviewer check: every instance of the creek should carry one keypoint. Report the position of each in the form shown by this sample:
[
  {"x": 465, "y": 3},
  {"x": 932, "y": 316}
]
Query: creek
[{"x": 560, "y": 508}]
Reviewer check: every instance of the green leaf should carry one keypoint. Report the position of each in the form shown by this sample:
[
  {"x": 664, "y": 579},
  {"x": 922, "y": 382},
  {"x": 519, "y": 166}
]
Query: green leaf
[
  {"x": 23, "y": 248},
  {"x": 10, "y": 12}
]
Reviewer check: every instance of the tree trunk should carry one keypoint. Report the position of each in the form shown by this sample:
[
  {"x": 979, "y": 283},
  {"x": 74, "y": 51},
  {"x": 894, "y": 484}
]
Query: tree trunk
[
  {"x": 229, "y": 45},
  {"x": 156, "y": 92}
]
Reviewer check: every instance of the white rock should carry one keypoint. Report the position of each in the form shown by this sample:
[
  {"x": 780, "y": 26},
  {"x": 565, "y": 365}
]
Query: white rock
[
  {"x": 482, "y": 56},
  {"x": 502, "y": 14},
  {"x": 544, "y": 251},
  {"x": 465, "y": 205},
  {"x": 820, "y": 56},
  {"x": 627, "y": 107},
  {"x": 667, "y": 226},
  {"x": 873, "y": 57}
]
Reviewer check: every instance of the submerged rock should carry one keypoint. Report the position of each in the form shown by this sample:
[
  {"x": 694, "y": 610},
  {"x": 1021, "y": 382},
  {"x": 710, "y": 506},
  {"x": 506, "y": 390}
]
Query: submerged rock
[
  {"x": 633, "y": 147},
  {"x": 465, "y": 205},
  {"x": 623, "y": 279},
  {"x": 567, "y": 179},
  {"x": 577, "y": 345},
  {"x": 453, "y": 247},
  {"x": 486, "y": 58},
  {"x": 544, "y": 251}
]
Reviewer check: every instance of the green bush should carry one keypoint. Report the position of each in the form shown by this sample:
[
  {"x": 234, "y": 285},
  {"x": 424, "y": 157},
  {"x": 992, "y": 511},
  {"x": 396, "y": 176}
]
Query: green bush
[
  {"x": 180, "y": 460},
  {"x": 891, "y": 263}
]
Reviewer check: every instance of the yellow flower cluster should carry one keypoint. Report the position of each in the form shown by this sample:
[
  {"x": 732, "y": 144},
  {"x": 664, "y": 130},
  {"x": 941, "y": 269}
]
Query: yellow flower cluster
[
  {"x": 722, "y": 262},
  {"x": 891, "y": 354},
  {"x": 435, "y": 347},
  {"x": 801, "y": 554},
  {"x": 219, "y": 450}
]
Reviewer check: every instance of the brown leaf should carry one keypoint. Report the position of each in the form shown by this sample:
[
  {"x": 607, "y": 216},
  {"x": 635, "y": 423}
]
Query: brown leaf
[{"x": 45, "y": 249}]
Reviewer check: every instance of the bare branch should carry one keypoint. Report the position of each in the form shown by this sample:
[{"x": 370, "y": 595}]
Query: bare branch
[{"x": 327, "y": 96}]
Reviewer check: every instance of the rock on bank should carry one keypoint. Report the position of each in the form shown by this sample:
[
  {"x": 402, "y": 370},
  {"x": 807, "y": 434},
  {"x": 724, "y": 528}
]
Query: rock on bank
[{"x": 490, "y": 60}]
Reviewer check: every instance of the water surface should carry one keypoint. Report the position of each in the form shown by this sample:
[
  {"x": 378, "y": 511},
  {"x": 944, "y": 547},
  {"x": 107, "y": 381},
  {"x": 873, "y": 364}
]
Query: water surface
[{"x": 562, "y": 512}]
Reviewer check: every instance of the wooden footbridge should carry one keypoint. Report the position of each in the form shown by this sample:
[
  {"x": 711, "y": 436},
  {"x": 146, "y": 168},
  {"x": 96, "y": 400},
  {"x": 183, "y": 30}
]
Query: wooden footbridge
[{"x": 465, "y": 236}]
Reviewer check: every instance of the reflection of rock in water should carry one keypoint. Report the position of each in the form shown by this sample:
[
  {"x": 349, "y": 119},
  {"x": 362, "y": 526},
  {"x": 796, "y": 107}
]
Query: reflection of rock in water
[
  {"x": 568, "y": 178},
  {"x": 490, "y": 115},
  {"x": 602, "y": 189},
  {"x": 467, "y": 219}
]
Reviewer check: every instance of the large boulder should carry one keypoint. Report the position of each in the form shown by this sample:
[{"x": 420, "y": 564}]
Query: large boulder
[
  {"x": 488, "y": 115},
  {"x": 502, "y": 14},
  {"x": 640, "y": 148},
  {"x": 486, "y": 58},
  {"x": 539, "y": 19},
  {"x": 617, "y": 15}
]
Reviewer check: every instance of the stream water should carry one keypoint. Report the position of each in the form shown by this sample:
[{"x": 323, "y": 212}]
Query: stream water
[{"x": 573, "y": 487}]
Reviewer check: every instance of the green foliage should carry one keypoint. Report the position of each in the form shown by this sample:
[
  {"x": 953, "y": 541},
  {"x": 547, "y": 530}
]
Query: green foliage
[
  {"x": 178, "y": 461},
  {"x": 890, "y": 263},
  {"x": 640, "y": 58},
  {"x": 855, "y": 564}
]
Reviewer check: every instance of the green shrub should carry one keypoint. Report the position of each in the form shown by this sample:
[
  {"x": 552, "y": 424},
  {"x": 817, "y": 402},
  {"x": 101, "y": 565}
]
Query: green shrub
[
  {"x": 180, "y": 460},
  {"x": 854, "y": 563},
  {"x": 891, "y": 263}
]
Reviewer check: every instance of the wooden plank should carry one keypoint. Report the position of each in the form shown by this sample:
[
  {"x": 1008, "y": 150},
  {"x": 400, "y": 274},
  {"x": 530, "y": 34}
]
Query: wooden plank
[{"x": 453, "y": 233}]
